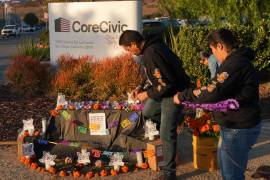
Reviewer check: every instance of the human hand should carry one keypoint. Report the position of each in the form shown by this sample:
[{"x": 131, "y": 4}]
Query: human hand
[
  {"x": 134, "y": 93},
  {"x": 142, "y": 96},
  {"x": 176, "y": 99}
]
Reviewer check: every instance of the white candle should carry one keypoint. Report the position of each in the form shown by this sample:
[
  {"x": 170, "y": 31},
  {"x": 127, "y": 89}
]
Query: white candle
[
  {"x": 47, "y": 165},
  {"x": 116, "y": 167},
  {"x": 43, "y": 121},
  {"x": 31, "y": 131},
  {"x": 139, "y": 158}
]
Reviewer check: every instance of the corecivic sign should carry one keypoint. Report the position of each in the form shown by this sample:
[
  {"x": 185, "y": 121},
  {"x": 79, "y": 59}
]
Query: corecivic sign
[{"x": 91, "y": 28}]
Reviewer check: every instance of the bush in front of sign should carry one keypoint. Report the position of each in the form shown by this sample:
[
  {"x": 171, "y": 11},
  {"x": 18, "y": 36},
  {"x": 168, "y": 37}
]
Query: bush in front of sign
[
  {"x": 114, "y": 77},
  {"x": 85, "y": 79},
  {"x": 29, "y": 76},
  {"x": 74, "y": 78}
]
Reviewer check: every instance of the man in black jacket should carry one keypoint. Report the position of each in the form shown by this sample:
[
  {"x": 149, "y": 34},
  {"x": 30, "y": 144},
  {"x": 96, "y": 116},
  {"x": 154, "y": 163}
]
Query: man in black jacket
[
  {"x": 236, "y": 78},
  {"x": 165, "y": 77}
]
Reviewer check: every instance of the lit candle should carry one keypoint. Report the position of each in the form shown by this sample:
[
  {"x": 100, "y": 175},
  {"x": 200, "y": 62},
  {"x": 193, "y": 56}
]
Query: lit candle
[
  {"x": 116, "y": 167},
  {"x": 139, "y": 158},
  {"x": 43, "y": 121}
]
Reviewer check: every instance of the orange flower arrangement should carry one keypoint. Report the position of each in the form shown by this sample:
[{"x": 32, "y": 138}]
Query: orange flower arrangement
[
  {"x": 203, "y": 126},
  {"x": 60, "y": 107},
  {"x": 34, "y": 166},
  {"x": 76, "y": 174},
  {"x": 54, "y": 113},
  {"x": 103, "y": 173},
  {"x": 89, "y": 174},
  {"x": 22, "y": 159},
  {"x": 52, "y": 170},
  {"x": 113, "y": 172},
  {"x": 124, "y": 169},
  {"x": 62, "y": 174},
  {"x": 26, "y": 133},
  {"x": 27, "y": 161},
  {"x": 36, "y": 133},
  {"x": 144, "y": 166}
]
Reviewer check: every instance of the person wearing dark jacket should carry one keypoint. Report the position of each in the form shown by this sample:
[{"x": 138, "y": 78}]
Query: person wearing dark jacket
[
  {"x": 165, "y": 77},
  {"x": 236, "y": 78}
]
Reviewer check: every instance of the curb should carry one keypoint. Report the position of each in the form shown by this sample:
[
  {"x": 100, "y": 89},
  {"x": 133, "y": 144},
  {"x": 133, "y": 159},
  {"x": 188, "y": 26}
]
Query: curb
[{"x": 8, "y": 143}]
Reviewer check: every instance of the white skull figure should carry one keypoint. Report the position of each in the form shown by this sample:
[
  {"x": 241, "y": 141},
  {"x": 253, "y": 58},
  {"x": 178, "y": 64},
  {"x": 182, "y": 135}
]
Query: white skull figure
[
  {"x": 61, "y": 100},
  {"x": 150, "y": 130},
  {"x": 116, "y": 161},
  {"x": 48, "y": 159},
  {"x": 83, "y": 157},
  {"x": 28, "y": 125}
]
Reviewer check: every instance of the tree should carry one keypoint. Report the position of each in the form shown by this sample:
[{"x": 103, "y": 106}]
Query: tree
[
  {"x": 30, "y": 19},
  {"x": 234, "y": 11}
]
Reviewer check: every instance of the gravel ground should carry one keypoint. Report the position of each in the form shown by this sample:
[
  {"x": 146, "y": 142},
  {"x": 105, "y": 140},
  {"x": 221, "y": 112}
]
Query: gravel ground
[{"x": 11, "y": 168}]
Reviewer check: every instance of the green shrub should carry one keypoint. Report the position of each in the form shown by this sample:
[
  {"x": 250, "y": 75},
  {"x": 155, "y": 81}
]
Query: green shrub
[
  {"x": 29, "y": 76},
  {"x": 190, "y": 40},
  {"x": 30, "y": 48}
]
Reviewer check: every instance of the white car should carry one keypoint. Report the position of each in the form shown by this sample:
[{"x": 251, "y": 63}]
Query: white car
[{"x": 10, "y": 30}]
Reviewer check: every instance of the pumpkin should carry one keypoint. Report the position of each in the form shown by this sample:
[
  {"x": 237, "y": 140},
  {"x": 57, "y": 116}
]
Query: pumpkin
[
  {"x": 27, "y": 161},
  {"x": 71, "y": 107},
  {"x": 34, "y": 166},
  {"x": 124, "y": 169},
  {"x": 26, "y": 133},
  {"x": 54, "y": 113},
  {"x": 103, "y": 173},
  {"x": 215, "y": 128},
  {"x": 89, "y": 175},
  {"x": 62, "y": 174},
  {"x": 36, "y": 133},
  {"x": 52, "y": 170},
  {"x": 39, "y": 169},
  {"x": 96, "y": 106},
  {"x": 22, "y": 159},
  {"x": 113, "y": 172},
  {"x": 60, "y": 107},
  {"x": 144, "y": 166},
  {"x": 76, "y": 174}
]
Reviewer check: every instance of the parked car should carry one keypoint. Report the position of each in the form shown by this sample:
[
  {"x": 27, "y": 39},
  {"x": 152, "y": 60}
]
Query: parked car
[
  {"x": 25, "y": 28},
  {"x": 159, "y": 25},
  {"x": 32, "y": 28},
  {"x": 10, "y": 30}
]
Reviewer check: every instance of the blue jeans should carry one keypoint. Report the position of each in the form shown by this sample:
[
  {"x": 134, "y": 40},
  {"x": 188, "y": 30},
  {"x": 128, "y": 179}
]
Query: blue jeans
[
  {"x": 234, "y": 146},
  {"x": 169, "y": 115}
]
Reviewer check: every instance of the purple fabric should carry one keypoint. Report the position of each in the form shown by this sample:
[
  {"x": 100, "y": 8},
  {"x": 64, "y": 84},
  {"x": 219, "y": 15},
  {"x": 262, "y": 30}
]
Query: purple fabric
[{"x": 222, "y": 106}]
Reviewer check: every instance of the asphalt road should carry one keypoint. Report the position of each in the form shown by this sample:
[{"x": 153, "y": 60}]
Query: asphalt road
[{"x": 8, "y": 48}]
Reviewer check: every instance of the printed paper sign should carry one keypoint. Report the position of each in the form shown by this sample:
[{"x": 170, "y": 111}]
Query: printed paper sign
[
  {"x": 97, "y": 124},
  {"x": 28, "y": 149},
  {"x": 82, "y": 129},
  {"x": 125, "y": 123},
  {"x": 133, "y": 117},
  {"x": 65, "y": 115}
]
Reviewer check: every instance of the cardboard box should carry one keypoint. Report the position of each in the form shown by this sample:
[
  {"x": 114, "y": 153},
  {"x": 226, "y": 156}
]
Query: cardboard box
[{"x": 156, "y": 160}]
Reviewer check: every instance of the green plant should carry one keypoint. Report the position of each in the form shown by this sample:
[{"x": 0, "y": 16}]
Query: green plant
[
  {"x": 28, "y": 75},
  {"x": 44, "y": 37},
  {"x": 30, "y": 48},
  {"x": 190, "y": 40}
]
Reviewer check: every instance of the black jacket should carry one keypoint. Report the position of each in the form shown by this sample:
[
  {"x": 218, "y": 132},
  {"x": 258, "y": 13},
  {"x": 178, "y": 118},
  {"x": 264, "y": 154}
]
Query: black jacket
[
  {"x": 236, "y": 78},
  {"x": 163, "y": 69}
]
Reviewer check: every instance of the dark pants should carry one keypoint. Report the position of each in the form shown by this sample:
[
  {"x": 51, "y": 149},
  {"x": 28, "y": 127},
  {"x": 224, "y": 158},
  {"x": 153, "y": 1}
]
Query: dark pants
[{"x": 169, "y": 115}]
